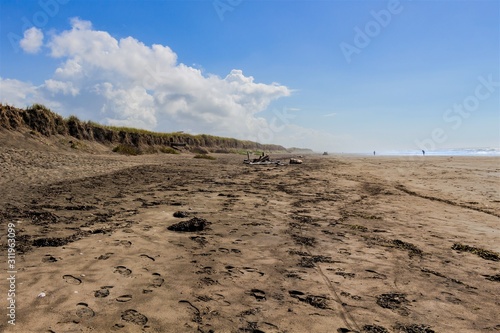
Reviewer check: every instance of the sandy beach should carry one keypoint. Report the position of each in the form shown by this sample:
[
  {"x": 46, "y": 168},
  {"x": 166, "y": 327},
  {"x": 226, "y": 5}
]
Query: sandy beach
[{"x": 337, "y": 244}]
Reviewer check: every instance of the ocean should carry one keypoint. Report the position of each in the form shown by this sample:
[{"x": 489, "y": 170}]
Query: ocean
[{"x": 446, "y": 152}]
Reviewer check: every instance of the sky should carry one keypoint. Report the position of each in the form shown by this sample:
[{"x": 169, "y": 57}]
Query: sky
[{"x": 336, "y": 76}]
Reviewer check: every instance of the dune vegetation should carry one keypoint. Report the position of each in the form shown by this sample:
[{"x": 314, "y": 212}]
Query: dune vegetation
[{"x": 38, "y": 119}]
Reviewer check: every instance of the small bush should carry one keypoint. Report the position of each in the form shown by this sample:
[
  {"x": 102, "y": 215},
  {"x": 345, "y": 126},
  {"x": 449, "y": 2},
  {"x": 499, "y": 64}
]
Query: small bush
[
  {"x": 39, "y": 107},
  {"x": 221, "y": 151},
  {"x": 207, "y": 157},
  {"x": 126, "y": 150},
  {"x": 73, "y": 118},
  {"x": 149, "y": 150},
  {"x": 199, "y": 151},
  {"x": 168, "y": 150}
]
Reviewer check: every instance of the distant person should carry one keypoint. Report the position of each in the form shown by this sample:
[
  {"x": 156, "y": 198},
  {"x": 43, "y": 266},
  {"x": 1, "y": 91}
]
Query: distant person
[
  {"x": 423, "y": 152},
  {"x": 374, "y": 153}
]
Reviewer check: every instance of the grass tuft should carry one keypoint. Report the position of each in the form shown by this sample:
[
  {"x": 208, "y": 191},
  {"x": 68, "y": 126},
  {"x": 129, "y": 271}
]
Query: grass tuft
[
  {"x": 126, "y": 150},
  {"x": 168, "y": 150},
  {"x": 204, "y": 156}
]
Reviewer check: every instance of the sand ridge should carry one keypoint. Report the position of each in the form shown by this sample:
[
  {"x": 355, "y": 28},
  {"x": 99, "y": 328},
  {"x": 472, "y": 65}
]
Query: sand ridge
[{"x": 337, "y": 244}]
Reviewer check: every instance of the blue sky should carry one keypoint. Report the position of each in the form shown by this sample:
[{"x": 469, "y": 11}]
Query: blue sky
[{"x": 343, "y": 76}]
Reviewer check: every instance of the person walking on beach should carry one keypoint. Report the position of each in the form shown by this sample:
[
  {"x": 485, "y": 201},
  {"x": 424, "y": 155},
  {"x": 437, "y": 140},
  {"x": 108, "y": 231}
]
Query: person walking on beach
[
  {"x": 423, "y": 152},
  {"x": 374, "y": 153}
]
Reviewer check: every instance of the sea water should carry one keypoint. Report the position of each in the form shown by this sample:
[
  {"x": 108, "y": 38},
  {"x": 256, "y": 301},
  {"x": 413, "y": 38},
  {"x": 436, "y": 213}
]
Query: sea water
[{"x": 446, "y": 152}]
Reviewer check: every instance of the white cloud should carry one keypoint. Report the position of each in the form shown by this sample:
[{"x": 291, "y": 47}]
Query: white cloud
[
  {"x": 127, "y": 83},
  {"x": 55, "y": 86},
  {"x": 145, "y": 86},
  {"x": 71, "y": 68},
  {"x": 16, "y": 92},
  {"x": 32, "y": 40},
  {"x": 23, "y": 94}
]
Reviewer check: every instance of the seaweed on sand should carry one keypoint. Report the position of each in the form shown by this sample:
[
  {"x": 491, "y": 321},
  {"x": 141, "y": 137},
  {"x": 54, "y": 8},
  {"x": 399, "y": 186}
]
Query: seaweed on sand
[{"x": 485, "y": 254}]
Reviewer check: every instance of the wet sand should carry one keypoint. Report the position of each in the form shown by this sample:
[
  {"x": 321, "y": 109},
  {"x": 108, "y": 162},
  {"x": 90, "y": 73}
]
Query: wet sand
[{"x": 337, "y": 244}]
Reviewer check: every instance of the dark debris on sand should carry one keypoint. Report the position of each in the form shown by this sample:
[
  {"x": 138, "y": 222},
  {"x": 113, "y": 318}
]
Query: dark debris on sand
[
  {"x": 301, "y": 240},
  {"x": 412, "y": 249},
  {"x": 181, "y": 214},
  {"x": 23, "y": 243},
  {"x": 192, "y": 225},
  {"x": 308, "y": 260},
  {"x": 485, "y": 254},
  {"x": 394, "y": 301},
  {"x": 495, "y": 278},
  {"x": 413, "y": 328},
  {"x": 319, "y": 302},
  {"x": 374, "y": 329},
  {"x": 399, "y": 244},
  {"x": 58, "y": 241}
]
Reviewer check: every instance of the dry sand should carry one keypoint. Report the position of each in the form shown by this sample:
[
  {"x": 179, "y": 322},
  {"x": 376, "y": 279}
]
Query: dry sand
[{"x": 337, "y": 244}]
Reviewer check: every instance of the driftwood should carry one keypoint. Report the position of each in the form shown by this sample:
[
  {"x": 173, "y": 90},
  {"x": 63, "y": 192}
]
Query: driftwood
[{"x": 262, "y": 160}]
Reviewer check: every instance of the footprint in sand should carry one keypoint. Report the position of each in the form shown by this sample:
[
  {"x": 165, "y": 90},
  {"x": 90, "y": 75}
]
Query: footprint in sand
[
  {"x": 124, "y": 243},
  {"x": 145, "y": 256},
  {"x": 251, "y": 270},
  {"x": 319, "y": 302},
  {"x": 157, "y": 280},
  {"x": 71, "y": 279},
  {"x": 49, "y": 258},
  {"x": 296, "y": 293},
  {"x": 258, "y": 294},
  {"x": 245, "y": 271},
  {"x": 132, "y": 316},
  {"x": 377, "y": 274},
  {"x": 208, "y": 281},
  {"x": 218, "y": 298},
  {"x": 124, "y": 298},
  {"x": 83, "y": 311},
  {"x": 224, "y": 250},
  {"x": 122, "y": 270},
  {"x": 105, "y": 256},
  {"x": 103, "y": 292},
  {"x": 117, "y": 327}
]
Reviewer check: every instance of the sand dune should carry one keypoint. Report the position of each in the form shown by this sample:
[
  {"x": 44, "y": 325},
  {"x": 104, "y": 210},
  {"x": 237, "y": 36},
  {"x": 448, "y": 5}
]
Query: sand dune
[{"x": 337, "y": 244}]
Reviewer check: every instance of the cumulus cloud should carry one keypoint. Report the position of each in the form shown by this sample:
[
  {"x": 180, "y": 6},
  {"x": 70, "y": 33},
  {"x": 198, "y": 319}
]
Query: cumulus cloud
[
  {"x": 16, "y": 92},
  {"x": 129, "y": 83},
  {"x": 32, "y": 40},
  {"x": 23, "y": 94},
  {"x": 66, "y": 88}
]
